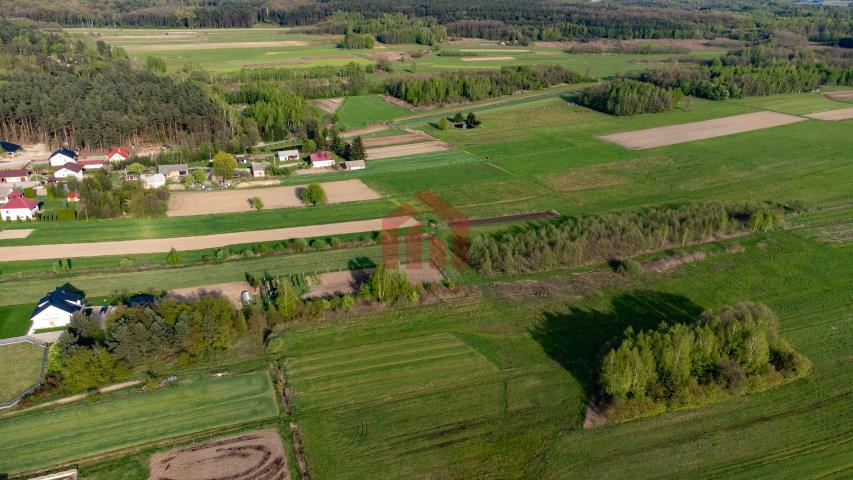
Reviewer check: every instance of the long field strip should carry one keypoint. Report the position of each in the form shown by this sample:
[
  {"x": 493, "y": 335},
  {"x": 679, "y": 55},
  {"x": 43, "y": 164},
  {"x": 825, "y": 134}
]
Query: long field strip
[{"x": 43, "y": 438}]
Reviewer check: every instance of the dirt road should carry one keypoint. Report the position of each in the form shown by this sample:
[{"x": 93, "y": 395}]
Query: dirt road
[{"x": 158, "y": 245}]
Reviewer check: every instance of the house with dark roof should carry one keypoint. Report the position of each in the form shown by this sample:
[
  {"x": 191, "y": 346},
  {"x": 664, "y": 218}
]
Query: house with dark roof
[
  {"x": 17, "y": 175},
  {"x": 56, "y": 308},
  {"x": 70, "y": 170},
  {"x": 9, "y": 147},
  {"x": 173, "y": 171},
  {"x": 62, "y": 156}
]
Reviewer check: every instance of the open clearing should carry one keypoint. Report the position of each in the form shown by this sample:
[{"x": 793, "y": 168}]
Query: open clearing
[
  {"x": 396, "y": 139},
  {"x": 129, "y": 247},
  {"x": 833, "y": 115},
  {"x": 14, "y": 234},
  {"x": 348, "y": 281},
  {"x": 21, "y": 367},
  {"x": 330, "y": 105},
  {"x": 85, "y": 429},
  {"x": 183, "y": 204},
  {"x": 228, "y": 290},
  {"x": 364, "y": 110},
  {"x": 405, "y": 150},
  {"x": 257, "y": 455},
  {"x": 486, "y": 59},
  {"x": 165, "y": 47},
  {"x": 690, "y": 132}
]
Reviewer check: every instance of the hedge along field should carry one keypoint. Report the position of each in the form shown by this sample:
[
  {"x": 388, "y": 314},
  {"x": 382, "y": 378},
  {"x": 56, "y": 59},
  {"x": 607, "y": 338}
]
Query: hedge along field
[
  {"x": 50, "y": 437},
  {"x": 399, "y": 395},
  {"x": 365, "y": 110},
  {"x": 558, "y": 153}
]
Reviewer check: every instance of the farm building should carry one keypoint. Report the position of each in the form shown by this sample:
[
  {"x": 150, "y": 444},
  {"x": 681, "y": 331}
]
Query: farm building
[
  {"x": 19, "y": 208},
  {"x": 355, "y": 165},
  {"x": 259, "y": 169},
  {"x": 321, "y": 159},
  {"x": 62, "y": 156},
  {"x": 242, "y": 159},
  {"x": 73, "y": 197},
  {"x": 117, "y": 154},
  {"x": 9, "y": 147},
  {"x": 56, "y": 308},
  {"x": 173, "y": 171},
  {"x": 287, "y": 155},
  {"x": 90, "y": 164},
  {"x": 70, "y": 170},
  {"x": 152, "y": 180},
  {"x": 14, "y": 176}
]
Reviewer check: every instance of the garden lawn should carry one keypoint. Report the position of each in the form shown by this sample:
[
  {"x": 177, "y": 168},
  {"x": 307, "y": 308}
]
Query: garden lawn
[
  {"x": 51, "y": 437},
  {"x": 20, "y": 367},
  {"x": 357, "y": 112},
  {"x": 15, "y": 319}
]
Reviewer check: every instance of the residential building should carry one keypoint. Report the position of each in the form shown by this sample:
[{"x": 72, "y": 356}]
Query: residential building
[
  {"x": 90, "y": 164},
  {"x": 9, "y": 148},
  {"x": 173, "y": 171},
  {"x": 70, "y": 170},
  {"x": 287, "y": 155},
  {"x": 355, "y": 165},
  {"x": 19, "y": 208},
  {"x": 17, "y": 175},
  {"x": 117, "y": 154},
  {"x": 152, "y": 180},
  {"x": 259, "y": 169},
  {"x": 56, "y": 308},
  {"x": 62, "y": 156},
  {"x": 321, "y": 159}
]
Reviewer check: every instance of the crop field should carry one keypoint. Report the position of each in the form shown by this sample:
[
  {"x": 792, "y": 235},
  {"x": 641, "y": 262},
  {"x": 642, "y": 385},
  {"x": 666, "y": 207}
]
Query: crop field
[
  {"x": 496, "y": 386},
  {"x": 21, "y": 368},
  {"x": 15, "y": 319},
  {"x": 793, "y": 103},
  {"x": 358, "y": 112},
  {"x": 83, "y": 430}
]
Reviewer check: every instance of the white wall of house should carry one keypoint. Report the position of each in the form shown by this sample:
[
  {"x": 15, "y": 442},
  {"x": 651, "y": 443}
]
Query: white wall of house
[
  {"x": 50, "y": 317},
  {"x": 117, "y": 157},
  {"x": 322, "y": 163},
  {"x": 60, "y": 159},
  {"x": 15, "y": 179},
  {"x": 65, "y": 173},
  {"x": 18, "y": 213}
]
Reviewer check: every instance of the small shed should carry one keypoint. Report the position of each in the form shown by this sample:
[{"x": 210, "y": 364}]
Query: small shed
[
  {"x": 259, "y": 169},
  {"x": 355, "y": 165}
]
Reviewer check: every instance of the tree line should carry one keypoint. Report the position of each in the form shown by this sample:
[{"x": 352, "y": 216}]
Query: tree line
[
  {"x": 387, "y": 28},
  {"x": 311, "y": 82},
  {"x": 628, "y": 97},
  {"x": 574, "y": 241},
  {"x": 473, "y": 86},
  {"x": 727, "y": 351},
  {"x": 100, "y": 197}
]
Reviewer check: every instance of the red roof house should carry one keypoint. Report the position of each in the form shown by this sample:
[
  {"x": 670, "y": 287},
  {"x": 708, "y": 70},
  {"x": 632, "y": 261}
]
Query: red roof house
[
  {"x": 117, "y": 154},
  {"x": 74, "y": 197},
  {"x": 321, "y": 158},
  {"x": 16, "y": 194},
  {"x": 19, "y": 208}
]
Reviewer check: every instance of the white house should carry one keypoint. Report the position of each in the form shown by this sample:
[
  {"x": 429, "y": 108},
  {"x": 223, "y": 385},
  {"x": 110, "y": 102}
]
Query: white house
[
  {"x": 62, "y": 156},
  {"x": 355, "y": 165},
  {"x": 152, "y": 180},
  {"x": 287, "y": 155},
  {"x": 117, "y": 154},
  {"x": 321, "y": 159},
  {"x": 56, "y": 308},
  {"x": 70, "y": 170},
  {"x": 259, "y": 169},
  {"x": 174, "y": 171},
  {"x": 91, "y": 164},
  {"x": 17, "y": 175},
  {"x": 19, "y": 208}
]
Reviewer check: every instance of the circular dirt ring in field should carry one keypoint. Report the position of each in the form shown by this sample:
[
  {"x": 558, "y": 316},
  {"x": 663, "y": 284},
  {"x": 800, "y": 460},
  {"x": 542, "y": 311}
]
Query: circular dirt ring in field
[{"x": 250, "y": 456}]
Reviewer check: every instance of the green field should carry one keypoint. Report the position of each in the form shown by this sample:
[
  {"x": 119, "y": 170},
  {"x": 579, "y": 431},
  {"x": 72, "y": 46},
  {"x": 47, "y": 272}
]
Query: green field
[
  {"x": 357, "y": 112},
  {"x": 491, "y": 386},
  {"x": 21, "y": 368},
  {"x": 195, "y": 404},
  {"x": 794, "y": 103},
  {"x": 15, "y": 319}
]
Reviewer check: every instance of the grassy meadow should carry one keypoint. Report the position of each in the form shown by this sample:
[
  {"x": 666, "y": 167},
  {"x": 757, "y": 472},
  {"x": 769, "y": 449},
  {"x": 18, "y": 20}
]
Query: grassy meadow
[
  {"x": 66, "y": 434},
  {"x": 489, "y": 386},
  {"x": 357, "y": 112},
  {"x": 22, "y": 366},
  {"x": 15, "y": 319}
]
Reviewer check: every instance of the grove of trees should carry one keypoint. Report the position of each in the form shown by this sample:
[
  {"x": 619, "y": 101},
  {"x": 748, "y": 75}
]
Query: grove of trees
[
  {"x": 628, "y": 97},
  {"x": 101, "y": 197}
]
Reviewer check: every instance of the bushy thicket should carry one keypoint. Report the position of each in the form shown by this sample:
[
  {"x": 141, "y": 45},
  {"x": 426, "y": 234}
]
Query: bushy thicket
[
  {"x": 728, "y": 351},
  {"x": 473, "y": 86},
  {"x": 356, "y": 41},
  {"x": 100, "y": 197},
  {"x": 628, "y": 97},
  {"x": 574, "y": 241},
  {"x": 277, "y": 112},
  {"x": 94, "y": 351},
  {"x": 387, "y": 28},
  {"x": 311, "y": 82}
]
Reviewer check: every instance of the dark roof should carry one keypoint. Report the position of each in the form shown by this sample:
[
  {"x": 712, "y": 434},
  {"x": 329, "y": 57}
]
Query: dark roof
[
  {"x": 63, "y": 298},
  {"x": 74, "y": 167},
  {"x": 65, "y": 151},
  {"x": 320, "y": 155},
  {"x": 9, "y": 146},
  {"x": 14, "y": 173}
]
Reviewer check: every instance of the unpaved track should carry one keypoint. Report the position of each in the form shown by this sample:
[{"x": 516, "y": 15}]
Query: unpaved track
[
  {"x": 404, "y": 150},
  {"x": 228, "y": 290},
  {"x": 832, "y": 115},
  {"x": 486, "y": 59},
  {"x": 182, "y": 204},
  {"x": 163, "y": 47},
  {"x": 199, "y": 242},
  {"x": 396, "y": 139},
  {"x": 689, "y": 132}
]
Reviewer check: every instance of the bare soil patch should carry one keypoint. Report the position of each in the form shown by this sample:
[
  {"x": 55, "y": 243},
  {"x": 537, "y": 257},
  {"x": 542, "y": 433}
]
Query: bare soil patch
[
  {"x": 330, "y": 105},
  {"x": 689, "y": 132},
  {"x": 228, "y": 290},
  {"x": 349, "y": 281},
  {"x": 164, "y": 47},
  {"x": 229, "y": 201},
  {"x": 257, "y": 183},
  {"x": 487, "y": 59},
  {"x": 251, "y": 456},
  {"x": 396, "y": 139},
  {"x": 15, "y": 234},
  {"x": 669, "y": 262},
  {"x": 833, "y": 115},
  {"x": 199, "y": 242},
  {"x": 364, "y": 131},
  {"x": 397, "y": 102},
  {"x": 840, "y": 96},
  {"x": 403, "y": 150}
]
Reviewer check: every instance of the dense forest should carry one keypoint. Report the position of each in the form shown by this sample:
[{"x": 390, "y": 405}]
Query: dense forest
[
  {"x": 473, "y": 86},
  {"x": 311, "y": 82},
  {"x": 727, "y": 351},
  {"x": 575, "y": 241},
  {"x": 628, "y": 97},
  {"x": 385, "y": 28},
  {"x": 60, "y": 91}
]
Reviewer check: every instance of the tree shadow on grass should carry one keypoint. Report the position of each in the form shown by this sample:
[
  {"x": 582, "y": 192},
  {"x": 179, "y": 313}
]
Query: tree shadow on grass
[{"x": 578, "y": 339}]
